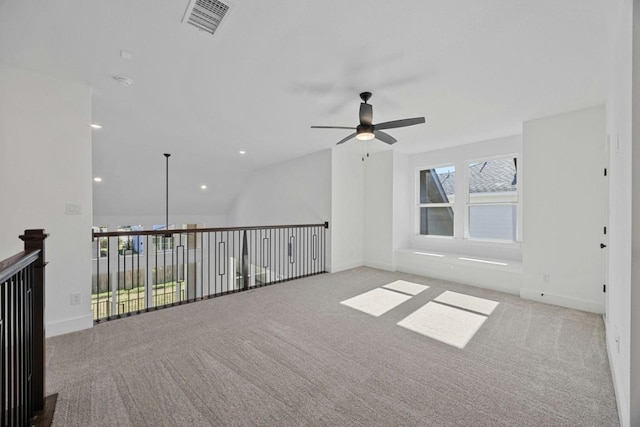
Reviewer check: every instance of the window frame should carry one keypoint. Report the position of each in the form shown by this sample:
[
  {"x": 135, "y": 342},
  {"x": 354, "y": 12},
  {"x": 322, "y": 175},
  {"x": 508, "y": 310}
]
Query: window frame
[
  {"x": 420, "y": 205},
  {"x": 468, "y": 204},
  {"x": 462, "y": 203}
]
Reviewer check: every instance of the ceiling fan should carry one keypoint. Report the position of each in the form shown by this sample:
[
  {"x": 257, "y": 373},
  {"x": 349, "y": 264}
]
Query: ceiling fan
[{"x": 366, "y": 130}]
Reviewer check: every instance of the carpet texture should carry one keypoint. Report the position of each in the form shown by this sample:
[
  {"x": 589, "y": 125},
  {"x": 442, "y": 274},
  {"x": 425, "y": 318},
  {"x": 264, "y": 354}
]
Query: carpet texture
[{"x": 290, "y": 354}]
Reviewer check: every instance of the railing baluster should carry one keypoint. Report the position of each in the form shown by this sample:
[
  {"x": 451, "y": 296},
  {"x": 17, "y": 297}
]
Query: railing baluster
[
  {"x": 3, "y": 355},
  {"x": 216, "y": 275},
  {"x": 139, "y": 300},
  {"x": 14, "y": 346},
  {"x": 208, "y": 264},
  {"x": 108, "y": 296},
  {"x": 22, "y": 345},
  {"x": 244, "y": 262},
  {"x": 201, "y": 265},
  {"x": 96, "y": 310},
  {"x": 122, "y": 285},
  {"x": 241, "y": 258},
  {"x": 147, "y": 274}
]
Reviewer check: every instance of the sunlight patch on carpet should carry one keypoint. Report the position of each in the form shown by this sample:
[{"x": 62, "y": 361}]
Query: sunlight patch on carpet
[
  {"x": 406, "y": 287},
  {"x": 479, "y": 305},
  {"x": 443, "y": 323},
  {"x": 376, "y": 302}
]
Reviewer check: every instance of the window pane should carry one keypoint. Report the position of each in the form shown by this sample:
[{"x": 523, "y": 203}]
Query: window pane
[
  {"x": 161, "y": 243},
  {"x": 493, "y": 222},
  {"x": 437, "y": 185},
  {"x": 493, "y": 181},
  {"x": 437, "y": 221}
]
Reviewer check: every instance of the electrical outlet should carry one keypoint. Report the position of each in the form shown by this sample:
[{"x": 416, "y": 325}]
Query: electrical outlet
[
  {"x": 546, "y": 278},
  {"x": 76, "y": 299},
  {"x": 450, "y": 266}
]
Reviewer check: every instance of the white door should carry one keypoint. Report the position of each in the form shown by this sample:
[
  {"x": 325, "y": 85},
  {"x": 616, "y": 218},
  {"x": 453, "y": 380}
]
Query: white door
[{"x": 605, "y": 229}]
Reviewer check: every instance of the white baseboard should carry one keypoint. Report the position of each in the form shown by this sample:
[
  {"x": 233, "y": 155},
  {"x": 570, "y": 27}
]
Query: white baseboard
[
  {"x": 623, "y": 407},
  {"x": 68, "y": 325},
  {"x": 380, "y": 266},
  {"x": 561, "y": 300},
  {"x": 345, "y": 266},
  {"x": 503, "y": 278}
]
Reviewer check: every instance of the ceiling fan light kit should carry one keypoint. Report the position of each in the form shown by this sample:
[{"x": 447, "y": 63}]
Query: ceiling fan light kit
[
  {"x": 364, "y": 133},
  {"x": 366, "y": 130}
]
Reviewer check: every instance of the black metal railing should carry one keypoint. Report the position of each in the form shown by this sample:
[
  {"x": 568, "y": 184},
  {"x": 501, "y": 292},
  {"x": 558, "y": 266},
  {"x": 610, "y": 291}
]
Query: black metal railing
[
  {"x": 22, "y": 357},
  {"x": 139, "y": 271}
]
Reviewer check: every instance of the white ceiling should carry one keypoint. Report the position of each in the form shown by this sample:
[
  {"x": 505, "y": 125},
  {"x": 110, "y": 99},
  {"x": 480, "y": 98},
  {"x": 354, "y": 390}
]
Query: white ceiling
[{"x": 476, "y": 69}]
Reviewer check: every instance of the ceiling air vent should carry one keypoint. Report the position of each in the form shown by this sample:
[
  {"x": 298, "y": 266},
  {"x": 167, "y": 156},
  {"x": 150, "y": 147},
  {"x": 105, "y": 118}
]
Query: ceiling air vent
[{"x": 206, "y": 15}]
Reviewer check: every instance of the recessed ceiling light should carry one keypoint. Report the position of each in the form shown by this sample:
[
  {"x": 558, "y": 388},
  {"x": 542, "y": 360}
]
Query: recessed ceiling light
[
  {"x": 96, "y": 126},
  {"x": 203, "y": 187},
  {"x": 242, "y": 152},
  {"x": 125, "y": 81},
  {"x": 97, "y": 179}
]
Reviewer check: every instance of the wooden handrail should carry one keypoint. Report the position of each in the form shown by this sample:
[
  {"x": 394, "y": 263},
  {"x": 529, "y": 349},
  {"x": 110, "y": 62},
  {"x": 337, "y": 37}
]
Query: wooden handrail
[
  {"x": 19, "y": 261},
  {"x": 201, "y": 230}
]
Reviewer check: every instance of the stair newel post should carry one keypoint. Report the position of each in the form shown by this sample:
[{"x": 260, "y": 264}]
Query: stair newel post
[{"x": 34, "y": 239}]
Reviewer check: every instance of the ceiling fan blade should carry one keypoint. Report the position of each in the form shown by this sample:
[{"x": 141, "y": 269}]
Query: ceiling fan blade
[
  {"x": 384, "y": 137},
  {"x": 331, "y": 127},
  {"x": 366, "y": 114},
  {"x": 400, "y": 123},
  {"x": 346, "y": 139}
]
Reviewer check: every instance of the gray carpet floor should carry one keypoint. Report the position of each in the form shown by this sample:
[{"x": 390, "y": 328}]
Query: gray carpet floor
[{"x": 291, "y": 354}]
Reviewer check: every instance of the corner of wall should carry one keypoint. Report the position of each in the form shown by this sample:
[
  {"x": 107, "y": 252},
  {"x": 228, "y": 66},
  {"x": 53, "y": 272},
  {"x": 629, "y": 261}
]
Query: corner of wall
[
  {"x": 347, "y": 207},
  {"x": 43, "y": 119},
  {"x": 67, "y": 326}
]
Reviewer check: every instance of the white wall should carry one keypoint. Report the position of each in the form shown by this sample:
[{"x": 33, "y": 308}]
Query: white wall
[
  {"x": 112, "y": 222},
  {"x": 297, "y": 191},
  {"x": 347, "y": 206},
  {"x": 460, "y": 156},
  {"x": 563, "y": 209},
  {"x": 403, "y": 193},
  {"x": 413, "y": 253},
  {"x": 45, "y": 163},
  {"x": 634, "y": 329},
  {"x": 378, "y": 210},
  {"x": 617, "y": 309}
]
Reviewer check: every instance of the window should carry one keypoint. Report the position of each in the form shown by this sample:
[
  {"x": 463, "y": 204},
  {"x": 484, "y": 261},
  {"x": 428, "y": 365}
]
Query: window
[
  {"x": 160, "y": 242},
  {"x": 492, "y": 199},
  {"x": 486, "y": 207},
  {"x": 436, "y": 201}
]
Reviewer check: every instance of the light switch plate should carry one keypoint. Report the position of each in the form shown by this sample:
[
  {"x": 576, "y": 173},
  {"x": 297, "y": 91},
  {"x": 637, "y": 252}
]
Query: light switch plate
[{"x": 74, "y": 209}]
